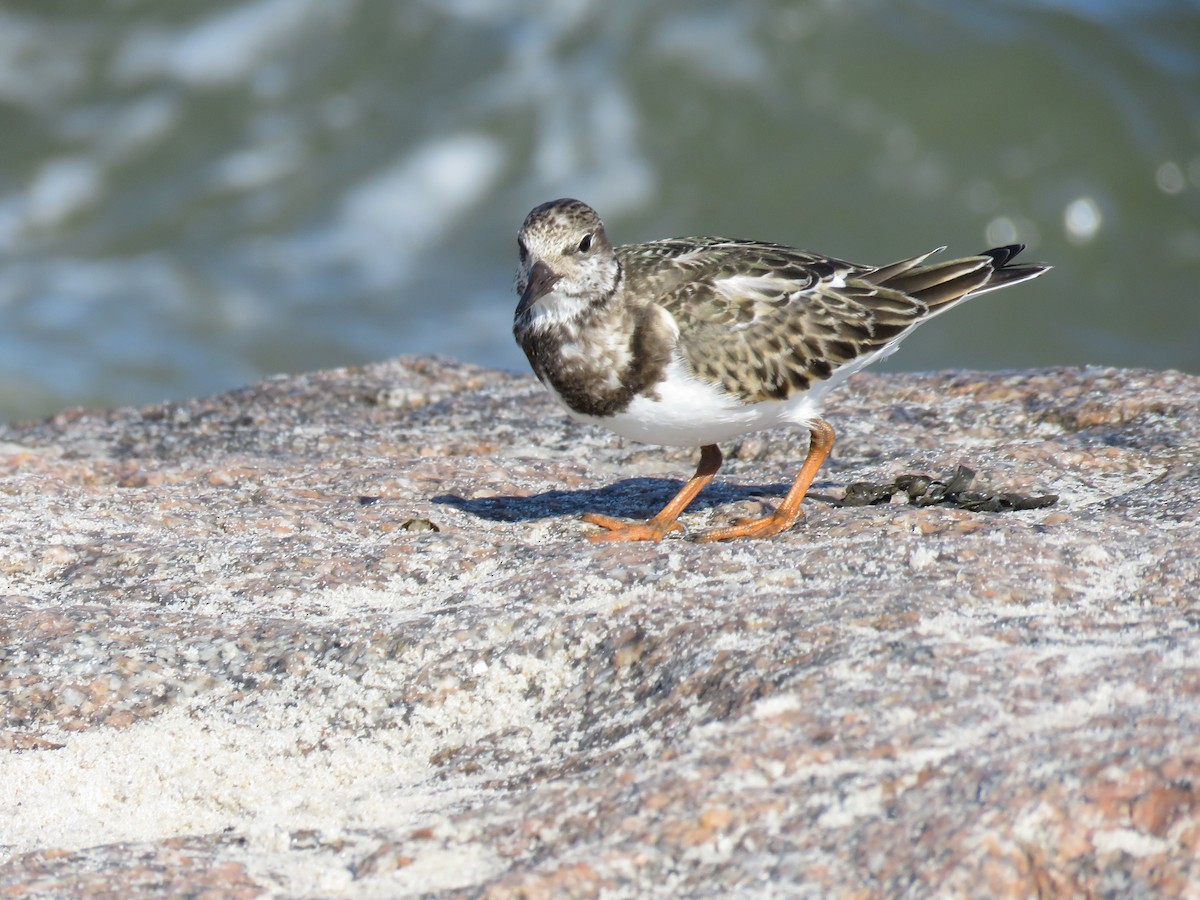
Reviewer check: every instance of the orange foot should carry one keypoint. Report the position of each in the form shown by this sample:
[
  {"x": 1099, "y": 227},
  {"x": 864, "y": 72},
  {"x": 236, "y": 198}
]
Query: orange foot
[
  {"x": 619, "y": 530},
  {"x": 780, "y": 520}
]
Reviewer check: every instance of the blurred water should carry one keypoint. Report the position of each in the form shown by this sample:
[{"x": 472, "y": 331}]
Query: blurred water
[{"x": 196, "y": 195}]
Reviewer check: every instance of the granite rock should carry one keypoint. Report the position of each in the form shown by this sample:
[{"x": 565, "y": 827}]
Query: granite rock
[{"x": 341, "y": 634}]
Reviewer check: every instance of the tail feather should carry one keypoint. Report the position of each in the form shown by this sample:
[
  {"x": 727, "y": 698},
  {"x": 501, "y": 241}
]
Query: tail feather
[
  {"x": 1004, "y": 274},
  {"x": 884, "y": 274},
  {"x": 969, "y": 272},
  {"x": 1002, "y": 256},
  {"x": 944, "y": 283}
]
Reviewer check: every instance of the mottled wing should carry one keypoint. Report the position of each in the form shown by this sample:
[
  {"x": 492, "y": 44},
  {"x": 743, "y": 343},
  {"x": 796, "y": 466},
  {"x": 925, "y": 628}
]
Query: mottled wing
[{"x": 766, "y": 321}]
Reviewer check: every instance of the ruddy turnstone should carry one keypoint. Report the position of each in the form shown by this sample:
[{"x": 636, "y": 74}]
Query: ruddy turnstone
[{"x": 692, "y": 341}]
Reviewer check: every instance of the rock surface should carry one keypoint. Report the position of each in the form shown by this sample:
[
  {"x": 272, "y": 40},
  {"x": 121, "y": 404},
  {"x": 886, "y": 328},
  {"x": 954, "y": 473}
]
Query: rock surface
[{"x": 340, "y": 634}]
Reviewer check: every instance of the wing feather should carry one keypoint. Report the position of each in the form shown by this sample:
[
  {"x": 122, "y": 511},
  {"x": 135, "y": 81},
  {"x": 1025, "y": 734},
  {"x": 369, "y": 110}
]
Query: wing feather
[{"x": 766, "y": 321}]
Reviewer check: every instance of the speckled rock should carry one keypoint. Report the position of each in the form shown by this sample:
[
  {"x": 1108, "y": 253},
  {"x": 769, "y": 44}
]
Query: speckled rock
[{"x": 340, "y": 634}]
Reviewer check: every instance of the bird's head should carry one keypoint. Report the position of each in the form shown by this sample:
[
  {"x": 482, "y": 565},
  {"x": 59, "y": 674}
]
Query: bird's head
[{"x": 567, "y": 262}]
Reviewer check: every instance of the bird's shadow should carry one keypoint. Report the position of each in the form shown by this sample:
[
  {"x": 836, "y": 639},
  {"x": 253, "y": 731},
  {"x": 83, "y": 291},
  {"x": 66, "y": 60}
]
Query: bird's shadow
[{"x": 627, "y": 498}]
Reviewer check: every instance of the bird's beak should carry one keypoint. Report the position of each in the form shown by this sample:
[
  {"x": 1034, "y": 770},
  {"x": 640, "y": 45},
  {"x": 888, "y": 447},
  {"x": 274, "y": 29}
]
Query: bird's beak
[{"x": 541, "y": 281}]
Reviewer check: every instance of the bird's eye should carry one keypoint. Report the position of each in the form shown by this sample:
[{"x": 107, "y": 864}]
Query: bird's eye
[
  {"x": 521, "y": 250},
  {"x": 585, "y": 244}
]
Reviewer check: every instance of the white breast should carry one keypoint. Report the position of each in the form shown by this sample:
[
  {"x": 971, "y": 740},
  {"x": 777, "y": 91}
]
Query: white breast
[{"x": 688, "y": 412}]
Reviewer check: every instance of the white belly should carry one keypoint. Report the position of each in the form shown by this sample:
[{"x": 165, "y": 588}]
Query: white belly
[{"x": 690, "y": 413}]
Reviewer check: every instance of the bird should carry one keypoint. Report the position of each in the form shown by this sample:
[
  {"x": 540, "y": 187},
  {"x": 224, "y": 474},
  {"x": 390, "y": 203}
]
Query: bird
[{"x": 694, "y": 341}]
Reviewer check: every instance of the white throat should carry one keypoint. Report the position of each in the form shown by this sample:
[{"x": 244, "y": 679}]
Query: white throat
[
  {"x": 567, "y": 303},
  {"x": 555, "y": 310}
]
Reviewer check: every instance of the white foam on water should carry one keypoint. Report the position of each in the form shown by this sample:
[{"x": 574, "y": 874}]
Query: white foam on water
[
  {"x": 138, "y": 124},
  {"x": 226, "y": 47},
  {"x": 38, "y": 66},
  {"x": 717, "y": 44},
  {"x": 62, "y": 188},
  {"x": 387, "y": 221},
  {"x": 258, "y": 166}
]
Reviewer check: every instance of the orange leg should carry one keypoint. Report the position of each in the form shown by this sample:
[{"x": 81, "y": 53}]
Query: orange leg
[
  {"x": 664, "y": 522},
  {"x": 789, "y": 510}
]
